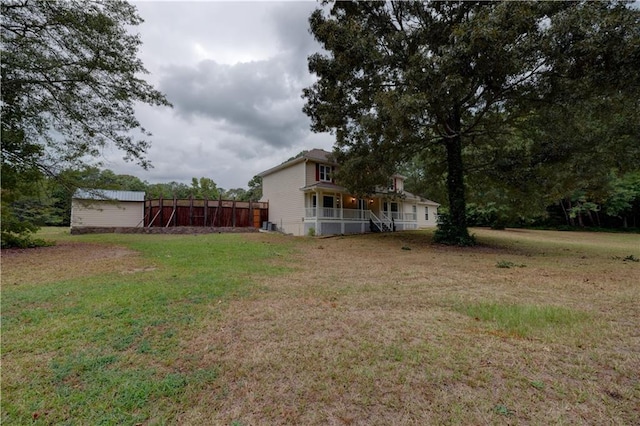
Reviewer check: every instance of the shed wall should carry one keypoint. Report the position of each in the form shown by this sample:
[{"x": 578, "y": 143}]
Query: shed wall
[{"x": 106, "y": 213}]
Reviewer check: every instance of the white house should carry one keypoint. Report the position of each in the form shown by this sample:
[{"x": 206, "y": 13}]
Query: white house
[
  {"x": 106, "y": 208},
  {"x": 304, "y": 199}
]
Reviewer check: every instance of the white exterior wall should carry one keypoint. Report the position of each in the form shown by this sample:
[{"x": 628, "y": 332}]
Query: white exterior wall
[
  {"x": 407, "y": 208},
  {"x": 286, "y": 200},
  {"x": 310, "y": 173},
  {"x": 106, "y": 213},
  {"x": 433, "y": 215}
]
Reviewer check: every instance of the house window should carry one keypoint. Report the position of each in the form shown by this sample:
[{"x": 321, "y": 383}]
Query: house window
[
  {"x": 324, "y": 173},
  {"x": 392, "y": 184},
  {"x": 426, "y": 213}
]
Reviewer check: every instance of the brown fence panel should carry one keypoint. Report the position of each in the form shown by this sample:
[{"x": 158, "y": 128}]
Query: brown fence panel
[{"x": 209, "y": 213}]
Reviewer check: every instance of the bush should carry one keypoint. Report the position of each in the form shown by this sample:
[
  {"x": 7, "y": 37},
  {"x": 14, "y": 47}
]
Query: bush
[
  {"x": 11, "y": 240},
  {"x": 450, "y": 234}
]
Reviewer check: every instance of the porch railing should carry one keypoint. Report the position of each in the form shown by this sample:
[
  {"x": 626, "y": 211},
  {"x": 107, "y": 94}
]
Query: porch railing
[
  {"x": 355, "y": 214},
  {"x": 331, "y": 213},
  {"x": 409, "y": 217}
]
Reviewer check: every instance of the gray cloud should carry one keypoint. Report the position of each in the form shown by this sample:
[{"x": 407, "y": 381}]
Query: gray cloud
[
  {"x": 235, "y": 73},
  {"x": 256, "y": 99},
  {"x": 291, "y": 21}
]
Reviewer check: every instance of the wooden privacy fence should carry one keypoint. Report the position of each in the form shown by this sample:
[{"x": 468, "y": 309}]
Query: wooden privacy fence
[{"x": 207, "y": 213}]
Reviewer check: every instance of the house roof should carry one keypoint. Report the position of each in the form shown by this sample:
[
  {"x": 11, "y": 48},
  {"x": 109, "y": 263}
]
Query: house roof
[
  {"x": 421, "y": 199},
  {"x": 107, "y": 194},
  {"x": 324, "y": 185},
  {"x": 317, "y": 155}
]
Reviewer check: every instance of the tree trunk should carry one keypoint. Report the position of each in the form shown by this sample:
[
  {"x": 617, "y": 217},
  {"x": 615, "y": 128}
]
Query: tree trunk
[
  {"x": 572, "y": 222},
  {"x": 455, "y": 231},
  {"x": 455, "y": 184},
  {"x": 566, "y": 215}
]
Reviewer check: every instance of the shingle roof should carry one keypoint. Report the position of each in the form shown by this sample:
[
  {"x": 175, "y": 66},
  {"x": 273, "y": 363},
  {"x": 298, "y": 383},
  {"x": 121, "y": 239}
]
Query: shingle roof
[
  {"x": 319, "y": 155},
  {"x": 107, "y": 194},
  {"x": 324, "y": 185}
]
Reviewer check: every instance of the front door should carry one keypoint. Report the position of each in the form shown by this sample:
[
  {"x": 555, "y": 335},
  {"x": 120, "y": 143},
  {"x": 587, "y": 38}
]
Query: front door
[{"x": 328, "y": 205}]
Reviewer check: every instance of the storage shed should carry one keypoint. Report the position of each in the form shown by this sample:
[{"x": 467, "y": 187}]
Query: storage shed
[{"x": 107, "y": 208}]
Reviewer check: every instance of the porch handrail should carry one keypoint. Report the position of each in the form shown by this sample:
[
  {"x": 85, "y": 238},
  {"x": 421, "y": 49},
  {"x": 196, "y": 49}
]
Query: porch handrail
[
  {"x": 411, "y": 217},
  {"x": 376, "y": 221},
  {"x": 333, "y": 213}
]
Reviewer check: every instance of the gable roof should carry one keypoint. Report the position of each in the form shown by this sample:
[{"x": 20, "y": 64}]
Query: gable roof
[
  {"x": 421, "y": 199},
  {"x": 108, "y": 195},
  {"x": 317, "y": 155}
]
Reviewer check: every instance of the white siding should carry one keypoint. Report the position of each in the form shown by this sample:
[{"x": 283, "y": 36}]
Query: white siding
[
  {"x": 407, "y": 210},
  {"x": 106, "y": 213},
  {"x": 310, "y": 173},
  {"x": 286, "y": 200},
  {"x": 433, "y": 215}
]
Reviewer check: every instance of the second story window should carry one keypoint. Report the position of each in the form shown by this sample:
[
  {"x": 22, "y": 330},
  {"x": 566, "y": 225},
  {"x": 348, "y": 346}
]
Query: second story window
[{"x": 324, "y": 173}]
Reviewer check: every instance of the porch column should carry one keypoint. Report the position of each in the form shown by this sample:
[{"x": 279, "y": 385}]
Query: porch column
[
  {"x": 317, "y": 224},
  {"x": 339, "y": 197}
]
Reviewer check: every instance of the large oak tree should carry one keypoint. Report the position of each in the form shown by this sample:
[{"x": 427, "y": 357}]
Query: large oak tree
[{"x": 454, "y": 80}]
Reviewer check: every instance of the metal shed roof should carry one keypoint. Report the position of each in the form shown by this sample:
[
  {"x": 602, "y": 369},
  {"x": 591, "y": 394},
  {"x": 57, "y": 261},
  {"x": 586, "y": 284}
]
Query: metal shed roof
[{"x": 107, "y": 194}]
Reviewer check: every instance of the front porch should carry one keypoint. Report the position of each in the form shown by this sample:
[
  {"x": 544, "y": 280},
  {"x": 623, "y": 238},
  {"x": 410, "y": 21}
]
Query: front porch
[{"x": 340, "y": 213}]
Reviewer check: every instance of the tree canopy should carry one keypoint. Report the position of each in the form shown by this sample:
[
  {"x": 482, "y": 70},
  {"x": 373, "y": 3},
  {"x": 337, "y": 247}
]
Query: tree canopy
[
  {"x": 474, "y": 88},
  {"x": 70, "y": 80}
]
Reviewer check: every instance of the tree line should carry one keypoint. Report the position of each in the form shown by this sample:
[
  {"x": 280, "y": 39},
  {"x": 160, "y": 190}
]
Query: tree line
[
  {"x": 612, "y": 202},
  {"x": 50, "y": 205}
]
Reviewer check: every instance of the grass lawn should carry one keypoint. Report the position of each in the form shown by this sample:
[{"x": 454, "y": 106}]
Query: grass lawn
[{"x": 529, "y": 327}]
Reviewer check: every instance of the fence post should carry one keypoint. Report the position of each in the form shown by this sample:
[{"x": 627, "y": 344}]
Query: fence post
[
  {"x": 206, "y": 207},
  {"x": 161, "y": 212},
  {"x": 233, "y": 214},
  {"x": 175, "y": 210},
  {"x": 191, "y": 210}
]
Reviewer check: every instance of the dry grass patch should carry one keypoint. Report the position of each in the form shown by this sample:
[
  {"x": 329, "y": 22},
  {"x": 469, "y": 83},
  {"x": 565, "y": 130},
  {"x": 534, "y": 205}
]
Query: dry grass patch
[
  {"x": 64, "y": 261},
  {"x": 364, "y": 332}
]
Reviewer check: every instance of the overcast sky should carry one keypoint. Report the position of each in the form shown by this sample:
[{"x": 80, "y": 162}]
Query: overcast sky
[{"x": 234, "y": 72}]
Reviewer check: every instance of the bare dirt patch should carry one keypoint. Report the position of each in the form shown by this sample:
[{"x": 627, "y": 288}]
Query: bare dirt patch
[
  {"x": 363, "y": 332},
  {"x": 66, "y": 260}
]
